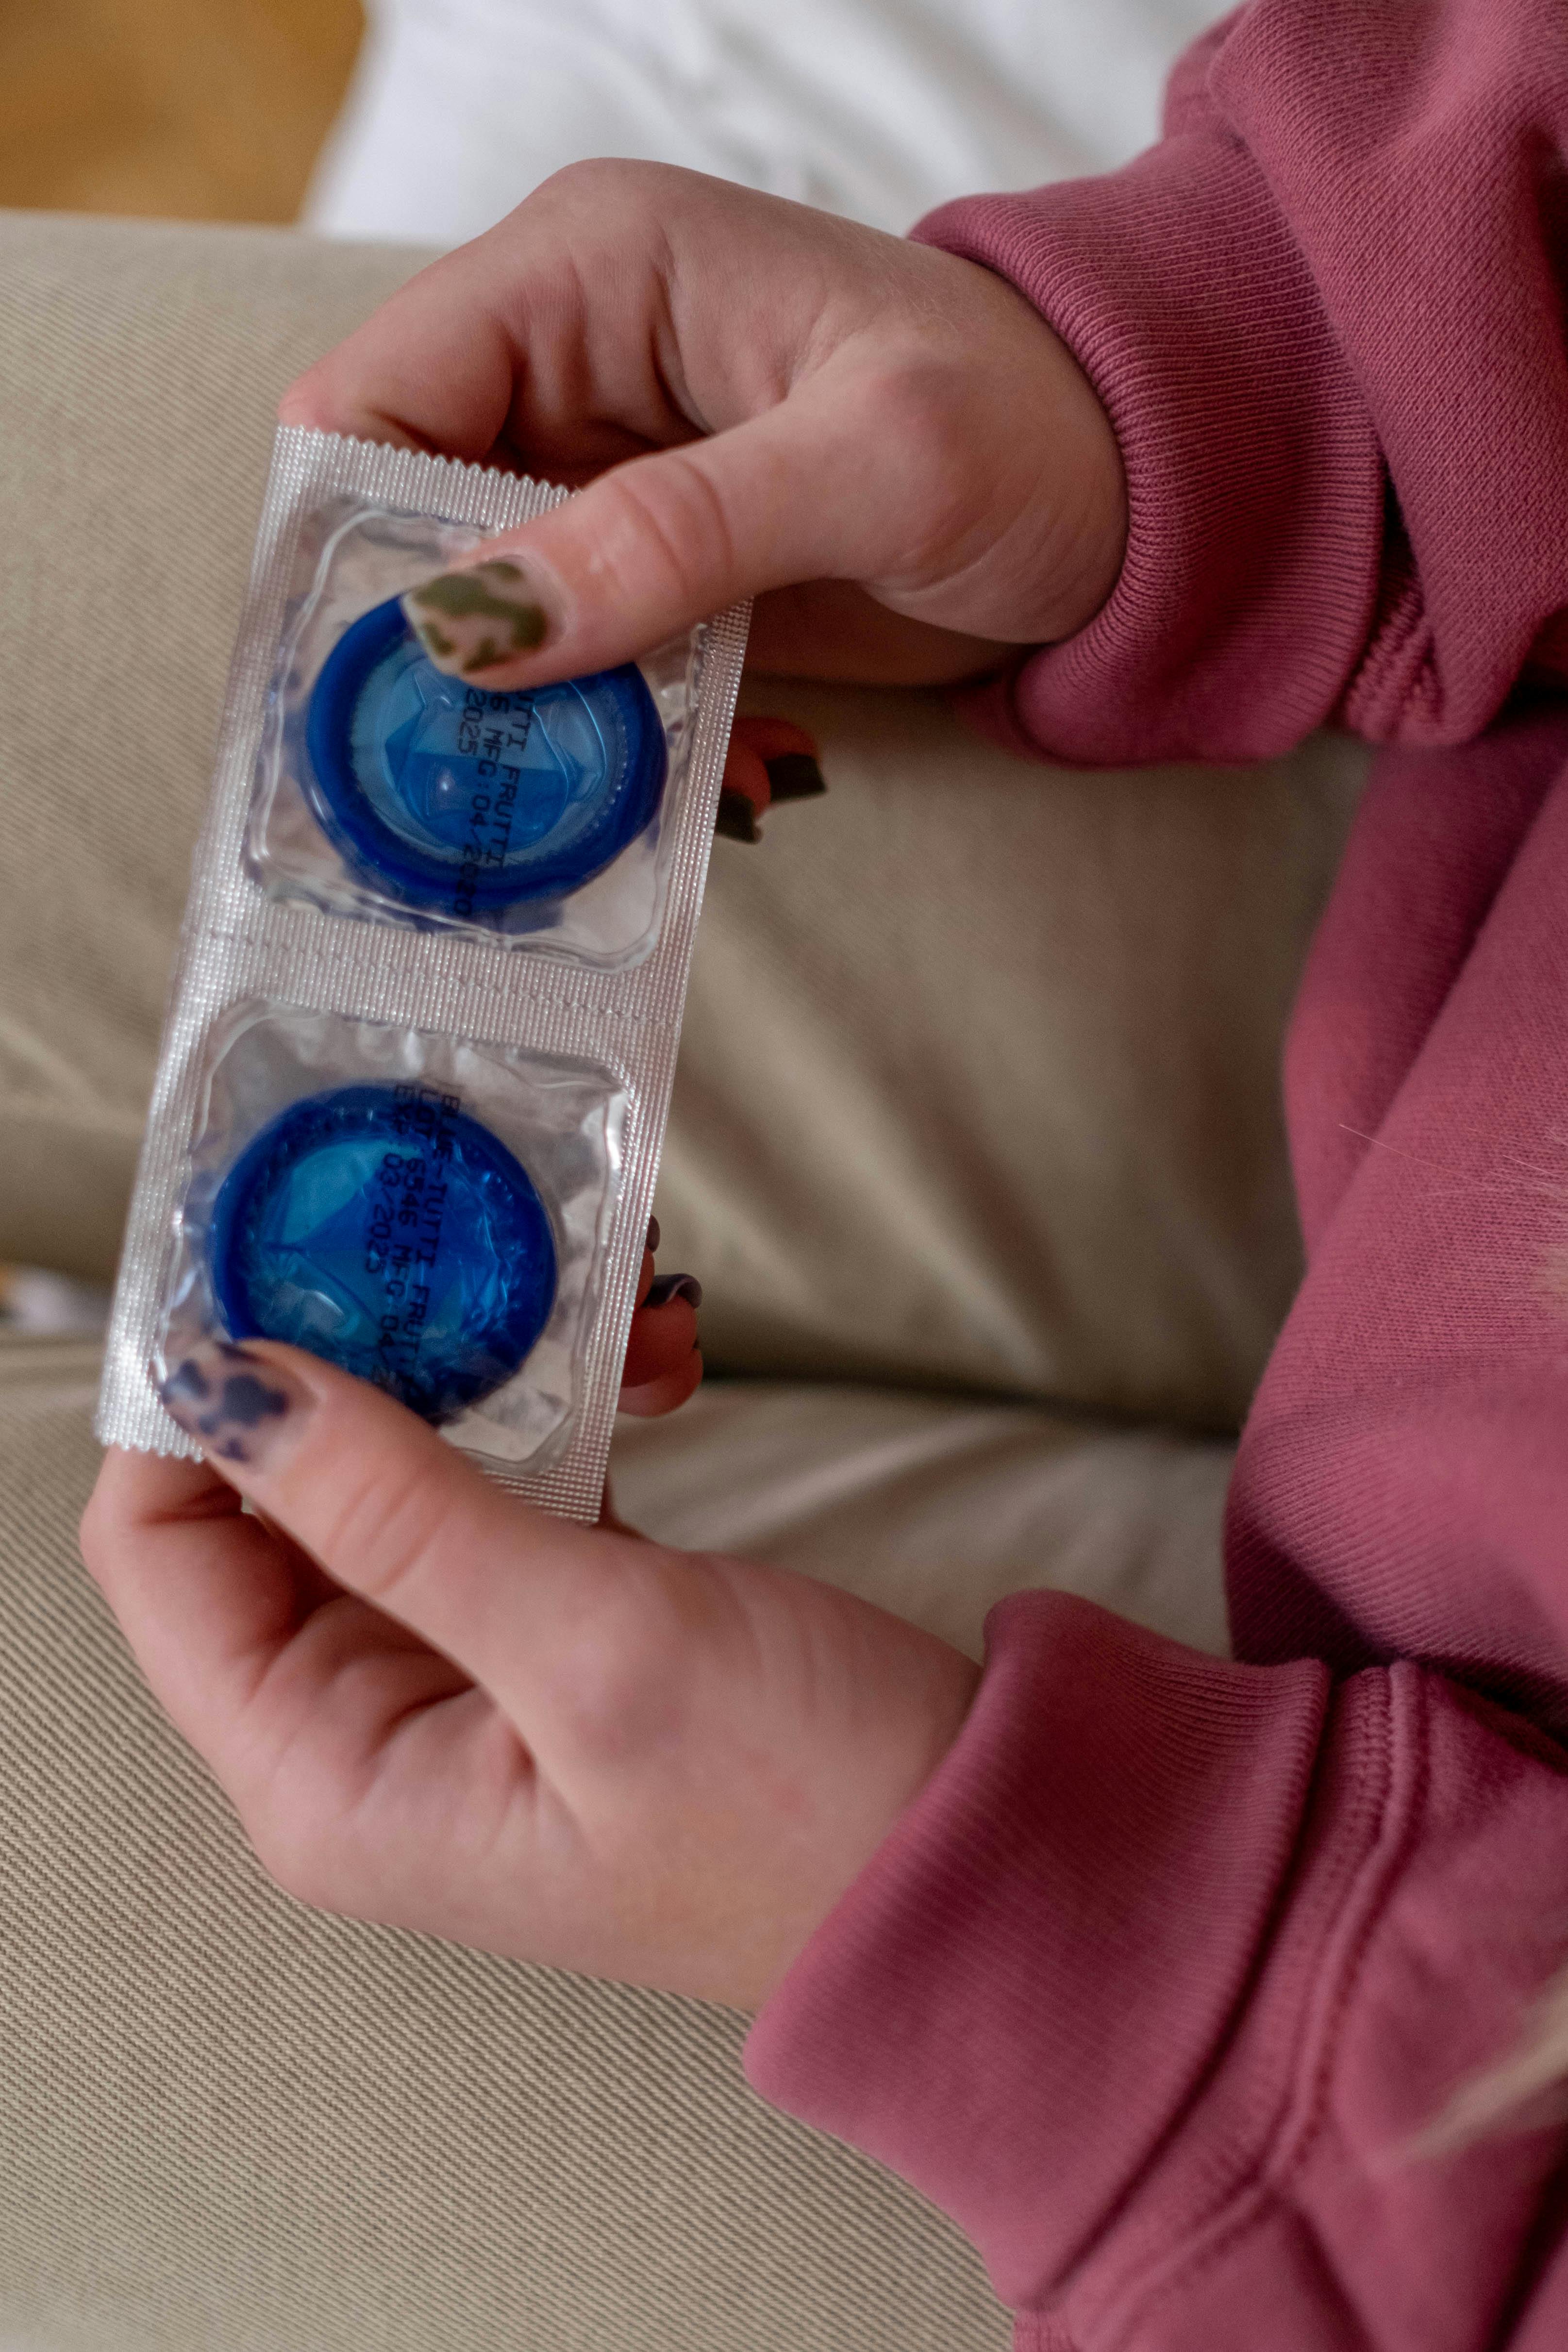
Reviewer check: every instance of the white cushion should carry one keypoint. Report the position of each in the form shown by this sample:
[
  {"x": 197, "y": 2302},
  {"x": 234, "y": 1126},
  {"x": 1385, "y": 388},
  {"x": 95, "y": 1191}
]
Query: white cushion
[{"x": 875, "y": 109}]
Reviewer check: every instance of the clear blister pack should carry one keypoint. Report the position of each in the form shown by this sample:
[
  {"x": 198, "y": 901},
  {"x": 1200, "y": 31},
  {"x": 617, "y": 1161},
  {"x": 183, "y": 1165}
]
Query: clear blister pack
[
  {"x": 416, "y": 1064},
  {"x": 385, "y": 788}
]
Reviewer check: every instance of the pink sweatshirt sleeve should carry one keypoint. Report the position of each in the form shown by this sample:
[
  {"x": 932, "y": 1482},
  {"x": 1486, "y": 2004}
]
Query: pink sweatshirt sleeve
[
  {"x": 1157, "y": 1982},
  {"x": 1325, "y": 315}
]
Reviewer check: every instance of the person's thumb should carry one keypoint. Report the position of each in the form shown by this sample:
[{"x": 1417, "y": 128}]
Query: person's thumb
[
  {"x": 393, "y": 1513},
  {"x": 649, "y": 549}
]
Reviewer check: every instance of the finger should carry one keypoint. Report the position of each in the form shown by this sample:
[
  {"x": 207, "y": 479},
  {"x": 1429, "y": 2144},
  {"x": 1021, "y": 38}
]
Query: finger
[
  {"x": 395, "y": 379},
  {"x": 206, "y": 1597},
  {"x": 662, "y": 1337},
  {"x": 745, "y": 782},
  {"x": 832, "y": 629},
  {"x": 663, "y": 1366},
  {"x": 395, "y": 1515},
  {"x": 653, "y": 546},
  {"x": 789, "y": 755},
  {"x": 768, "y": 760},
  {"x": 539, "y": 345},
  {"x": 665, "y": 1394},
  {"x": 348, "y": 1745}
]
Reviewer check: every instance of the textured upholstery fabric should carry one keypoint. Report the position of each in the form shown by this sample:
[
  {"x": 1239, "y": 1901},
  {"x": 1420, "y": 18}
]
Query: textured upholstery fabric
[
  {"x": 935, "y": 1507},
  {"x": 979, "y": 1085},
  {"x": 138, "y": 367},
  {"x": 229, "y": 2123},
  {"x": 976, "y": 1098}
]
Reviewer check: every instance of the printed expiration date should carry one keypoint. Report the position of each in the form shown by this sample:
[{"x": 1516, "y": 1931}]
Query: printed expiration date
[{"x": 403, "y": 1235}]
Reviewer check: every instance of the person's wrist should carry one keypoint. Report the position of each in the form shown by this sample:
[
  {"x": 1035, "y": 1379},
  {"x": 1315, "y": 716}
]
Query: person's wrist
[
  {"x": 1095, "y": 545},
  {"x": 1090, "y": 543},
  {"x": 936, "y": 1686},
  {"x": 1052, "y": 473}
]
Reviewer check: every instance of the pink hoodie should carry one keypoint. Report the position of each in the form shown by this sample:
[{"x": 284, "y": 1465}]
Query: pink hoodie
[{"x": 1154, "y": 1982}]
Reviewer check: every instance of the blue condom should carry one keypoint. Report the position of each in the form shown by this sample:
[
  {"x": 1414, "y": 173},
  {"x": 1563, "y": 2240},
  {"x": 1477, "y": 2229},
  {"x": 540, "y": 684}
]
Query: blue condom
[
  {"x": 458, "y": 801},
  {"x": 384, "y": 1229}
]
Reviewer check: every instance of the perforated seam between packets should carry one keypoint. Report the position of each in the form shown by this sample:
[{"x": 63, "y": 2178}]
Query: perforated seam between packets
[{"x": 540, "y": 992}]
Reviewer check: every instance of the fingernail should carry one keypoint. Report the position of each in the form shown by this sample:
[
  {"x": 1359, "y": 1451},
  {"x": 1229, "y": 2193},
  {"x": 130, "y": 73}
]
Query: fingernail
[
  {"x": 469, "y": 621},
  {"x": 234, "y": 1405},
  {"x": 674, "y": 1286},
  {"x": 736, "y": 819},
  {"x": 795, "y": 776},
  {"x": 653, "y": 1233}
]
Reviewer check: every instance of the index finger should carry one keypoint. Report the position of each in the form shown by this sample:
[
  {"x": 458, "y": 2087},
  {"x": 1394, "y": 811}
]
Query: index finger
[
  {"x": 431, "y": 369},
  {"x": 206, "y": 1597},
  {"x": 398, "y": 1516},
  {"x": 536, "y": 344}
]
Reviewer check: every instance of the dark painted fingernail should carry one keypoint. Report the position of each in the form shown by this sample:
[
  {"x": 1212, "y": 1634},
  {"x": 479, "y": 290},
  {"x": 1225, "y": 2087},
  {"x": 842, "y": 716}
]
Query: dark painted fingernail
[
  {"x": 471, "y": 621},
  {"x": 653, "y": 1234},
  {"x": 674, "y": 1286},
  {"x": 232, "y": 1402},
  {"x": 736, "y": 819},
  {"x": 795, "y": 776}
]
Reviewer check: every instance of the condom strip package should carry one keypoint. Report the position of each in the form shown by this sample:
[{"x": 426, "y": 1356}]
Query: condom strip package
[{"x": 416, "y": 1064}]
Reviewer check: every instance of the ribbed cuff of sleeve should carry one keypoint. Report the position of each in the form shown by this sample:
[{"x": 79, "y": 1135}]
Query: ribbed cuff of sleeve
[
  {"x": 1255, "y": 483},
  {"x": 1024, "y": 1987}
]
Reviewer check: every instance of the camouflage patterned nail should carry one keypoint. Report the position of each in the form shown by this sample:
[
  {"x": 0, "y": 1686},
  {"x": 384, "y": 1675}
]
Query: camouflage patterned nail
[{"x": 469, "y": 621}]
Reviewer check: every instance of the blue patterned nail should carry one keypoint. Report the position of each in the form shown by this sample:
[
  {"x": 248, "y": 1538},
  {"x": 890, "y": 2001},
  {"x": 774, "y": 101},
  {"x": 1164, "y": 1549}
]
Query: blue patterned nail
[{"x": 231, "y": 1400}]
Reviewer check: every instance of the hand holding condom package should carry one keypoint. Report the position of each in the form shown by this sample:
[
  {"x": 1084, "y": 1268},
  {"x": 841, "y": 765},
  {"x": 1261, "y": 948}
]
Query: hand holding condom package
[{"x": 416, "y": 1066}]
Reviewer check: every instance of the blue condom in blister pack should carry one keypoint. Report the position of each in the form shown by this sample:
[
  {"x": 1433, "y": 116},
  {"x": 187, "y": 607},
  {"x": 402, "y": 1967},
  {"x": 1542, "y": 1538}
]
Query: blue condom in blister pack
[
  {"x": 455, "y": 800},
  {"x": 386, "y": 1230}
]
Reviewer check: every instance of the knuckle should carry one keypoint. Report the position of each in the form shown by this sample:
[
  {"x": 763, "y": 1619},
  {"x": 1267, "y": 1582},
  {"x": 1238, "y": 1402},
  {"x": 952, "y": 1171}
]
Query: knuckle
[
  {"x": 603, "y": 188},
  {"x": 916, "y": 412},
  {"x": 586, "y": 175},
  {"x": 916, "y": 406},
  {"x": 665, "y": 530},
  {"x": 617, "y": 1674},
  {"x": 305, "y": 1825},
  {"x": 297, "y": 405},
  {"x": 385, "y": 1523},
  {"x": 298, "y": 1858},
  {"x": 92, "y": 1530}
]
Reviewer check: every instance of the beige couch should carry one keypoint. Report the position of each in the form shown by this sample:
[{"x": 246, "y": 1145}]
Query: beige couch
[{"x": 975, "y": 1147}]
